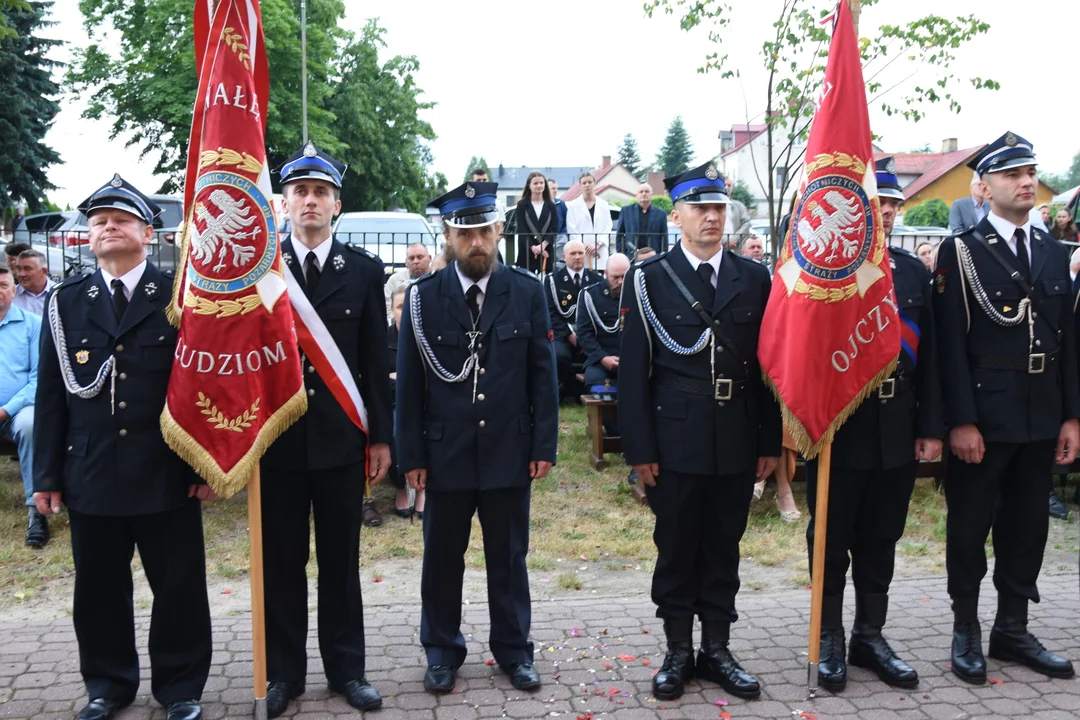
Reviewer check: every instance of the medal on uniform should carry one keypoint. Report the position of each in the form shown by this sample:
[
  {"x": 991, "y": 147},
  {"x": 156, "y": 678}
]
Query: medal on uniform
[{"x": 82, "y": 357}]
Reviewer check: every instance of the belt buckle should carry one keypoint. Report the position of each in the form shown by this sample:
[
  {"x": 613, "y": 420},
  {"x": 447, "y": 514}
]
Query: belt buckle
[
  {"x": 887, "y": 389},
  {"x": 1036, "y": 363},
  {"x": 724, "y": 394}
]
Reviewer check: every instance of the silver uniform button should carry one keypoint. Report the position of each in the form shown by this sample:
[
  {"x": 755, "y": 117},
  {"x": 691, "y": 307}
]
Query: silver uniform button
[
  {"x": 348, "y": 311},
  {"x": 123, "y": 376},
  {"x": 1038, "y": 343},
  {"x": 119, "y": 348},
  {"x": 161, "y": 338},
  {"x": 123, "y": 433},
  {"x": 480, "y": 397},
  {"x": 310, "y": 369},
  {"x": 123, "y": 405},
  {"x": 482, "y": 371},
  {"x": 311, "y": 392},
  {"x": 483, "y": 423}
]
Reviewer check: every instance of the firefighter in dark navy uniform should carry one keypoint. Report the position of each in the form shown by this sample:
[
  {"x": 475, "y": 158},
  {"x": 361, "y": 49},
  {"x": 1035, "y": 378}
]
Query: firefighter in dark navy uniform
[
  {"x": 106, "y": 354},
  {"x": 1004, "y": 316},
  {"x": 317, "y": 466},
  {"x": 561, "y": 290},
  {"x": 599, "y": 329},
  {"x": 477, "y": 422},
  {"x": 874, "y": 462},
  {"x": 698, "y": 425}
]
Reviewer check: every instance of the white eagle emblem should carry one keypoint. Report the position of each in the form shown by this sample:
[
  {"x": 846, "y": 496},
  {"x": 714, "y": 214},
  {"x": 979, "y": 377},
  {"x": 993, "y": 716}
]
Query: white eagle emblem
[
  {"x": 223, "y": 230},
  {"x": 839, "y": 230}
]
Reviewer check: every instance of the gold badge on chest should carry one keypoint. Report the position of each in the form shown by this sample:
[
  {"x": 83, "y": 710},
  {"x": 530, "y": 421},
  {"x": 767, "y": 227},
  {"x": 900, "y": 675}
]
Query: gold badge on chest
[{"x": 82, "y": 357}]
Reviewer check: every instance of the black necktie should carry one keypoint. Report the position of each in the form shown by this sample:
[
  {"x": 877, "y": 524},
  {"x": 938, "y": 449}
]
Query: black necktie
[
  {"x": 472, "y": 299},
  {"x": 705, "y": 271},
  {"x": 311, "y": 273},
  {"x": 577, "y": 281},
  {"x": 1022, "y": 254},
  {"x": 119, "y": 299}
]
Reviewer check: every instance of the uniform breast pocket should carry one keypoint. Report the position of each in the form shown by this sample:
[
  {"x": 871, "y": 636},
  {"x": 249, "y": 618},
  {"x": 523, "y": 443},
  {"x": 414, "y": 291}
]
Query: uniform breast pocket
[
  {"x": 747, "y": 323},
  {"x": 1057, "y": 292},
  {"x": 1004, "y": 296},
  {"x": 513, "y": 339},
  {"x": 87, "y": 350},
  {"x": 158, "y": 346}
]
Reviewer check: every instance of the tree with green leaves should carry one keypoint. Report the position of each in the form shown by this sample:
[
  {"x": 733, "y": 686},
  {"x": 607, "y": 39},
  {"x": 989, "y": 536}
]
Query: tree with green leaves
[
  {"x": 476, "y": 163},
  {"x": 1067, "y": 180},
  {"x": 741, "y": 191},
  {"x": 932, "y": 213},
  {"x": 906, "y": 69},
  {"x": 675, "y": 154},
  {"x": 364, "y": 113},
  {"x": 29, "y": 105},
  {"x": 628, "y": 155}
]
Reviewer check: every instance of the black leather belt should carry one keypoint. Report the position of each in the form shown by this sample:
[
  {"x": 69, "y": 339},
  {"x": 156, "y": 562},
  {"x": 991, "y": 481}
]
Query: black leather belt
[
  {"x": 1033, "y": 364},
  {"x": 722, "y": 389}
]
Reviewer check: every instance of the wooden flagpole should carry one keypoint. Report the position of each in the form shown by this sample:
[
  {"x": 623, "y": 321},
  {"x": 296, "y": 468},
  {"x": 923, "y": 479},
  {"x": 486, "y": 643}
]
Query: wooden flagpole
[
  {"x": 258, "y": 601},
  {"x": 821, "y": 518}
]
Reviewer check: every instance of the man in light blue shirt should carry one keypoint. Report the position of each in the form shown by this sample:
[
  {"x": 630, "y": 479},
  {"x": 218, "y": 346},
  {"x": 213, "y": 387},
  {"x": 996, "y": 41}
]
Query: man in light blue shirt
[{"x": 20, "y": 332}]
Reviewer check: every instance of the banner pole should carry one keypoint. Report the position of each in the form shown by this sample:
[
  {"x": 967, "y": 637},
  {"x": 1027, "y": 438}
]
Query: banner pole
[
  {"x": 817, "y": 573},
  {"x": 258, "y": 603}
]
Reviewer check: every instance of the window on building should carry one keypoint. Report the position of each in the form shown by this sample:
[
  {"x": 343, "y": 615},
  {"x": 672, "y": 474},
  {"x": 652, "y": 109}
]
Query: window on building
[
  {"x": 781, "y": 176},
  {"x": 726, "y": 143}
]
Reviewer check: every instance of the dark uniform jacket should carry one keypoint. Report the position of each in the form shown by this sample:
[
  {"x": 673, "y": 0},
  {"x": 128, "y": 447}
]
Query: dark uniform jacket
[
  {"x": 106, "y": 462},
  {"x": 633, "y": 234},
  {"x": 984, "y": 366},
  {"x": 689, "y": 430},
  {"x": 487, "y": 444},
  {"x": 349, "y": 299},
  {"x": 533, "y": 230},
  {"x": 561, "y": 297},
  {"x": 593, "y": 340},
  {"x": 881, "y": 433}
]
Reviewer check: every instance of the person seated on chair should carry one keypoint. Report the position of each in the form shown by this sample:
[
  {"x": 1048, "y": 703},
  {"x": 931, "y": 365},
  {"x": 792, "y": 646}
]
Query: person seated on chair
[
  {"x": 561, "y": 290},
  {"x": 599, "y": 327}
]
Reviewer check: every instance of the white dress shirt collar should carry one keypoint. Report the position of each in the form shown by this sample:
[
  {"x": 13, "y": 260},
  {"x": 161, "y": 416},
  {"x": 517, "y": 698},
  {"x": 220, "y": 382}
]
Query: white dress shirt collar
[
  {"x": 714, "y": 261},
  {"x": 467, "y": 283},
  {"x": 130, "y": 279},
  {"x": 322, "y": 252},
  {"x": 1006, "y": 229}
]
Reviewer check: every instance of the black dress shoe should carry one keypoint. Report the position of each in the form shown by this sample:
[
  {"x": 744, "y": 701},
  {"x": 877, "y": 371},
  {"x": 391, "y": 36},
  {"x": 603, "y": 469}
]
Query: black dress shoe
[
  {"x": 101, "y": 709},
  {"x": 832, "y": 668},
  {"x": 183, "y": 710},
  {"x": 403, "y": 512},
  {"x": 370, "y": 515},
  {"x": 359, "y": 694},
  {"x": 278, "y": 696},
  {"x": 523, "y": 676},
  {"x": 968, "y": 662},
  {"x": 1058, "y": 511},
  {"x": 678, "y": 669},
  {"x": 715, "y": 662},
  {"x": 873, "y": 653},
  {"x": 1010, "y": 640},
  {"x": 37, "y": 529},
  {"x": 440, "y": 678}
]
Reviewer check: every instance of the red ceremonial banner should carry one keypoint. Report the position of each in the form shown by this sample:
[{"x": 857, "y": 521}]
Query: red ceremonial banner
[
  {"x": 831, "y": 331},
  {"x": 236, "y": 381}
]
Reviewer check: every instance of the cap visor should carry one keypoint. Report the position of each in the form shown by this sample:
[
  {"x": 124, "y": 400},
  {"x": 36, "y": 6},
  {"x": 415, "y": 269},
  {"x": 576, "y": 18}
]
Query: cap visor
[
  {"x": 891, "y": 193},
  {"x": 1011, "y": 163},
  {"x": 472, "y": 220},
  {"x": 306, "y": 174},
  {"x": 706, "y": 198},
  {"x": 116, "y": 205}
]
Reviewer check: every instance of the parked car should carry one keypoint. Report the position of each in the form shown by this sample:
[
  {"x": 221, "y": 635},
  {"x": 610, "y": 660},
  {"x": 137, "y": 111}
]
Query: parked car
[
  {"x": 387, "y": 234},
  {"x": 164, "y": 250},
  {"x": 63, "y": 237}
]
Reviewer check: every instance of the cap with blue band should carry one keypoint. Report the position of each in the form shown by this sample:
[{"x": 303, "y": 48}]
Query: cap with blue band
[
  {"x": 1008, "y": 151},
  {"x": 888, "y": 184},
  {"x": 311, "y": 163},
  {"x": 699, "y": 186},
  {"x": 472, "y": 204}
]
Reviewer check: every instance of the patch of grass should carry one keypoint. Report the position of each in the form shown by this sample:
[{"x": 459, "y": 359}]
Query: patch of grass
[{"x": 568, "y": 581}]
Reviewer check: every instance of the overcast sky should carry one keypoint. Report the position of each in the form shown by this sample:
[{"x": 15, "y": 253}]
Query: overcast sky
[{"x": 561, "y": 82}]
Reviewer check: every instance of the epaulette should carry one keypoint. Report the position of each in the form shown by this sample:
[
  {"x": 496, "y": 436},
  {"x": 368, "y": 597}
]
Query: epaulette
[
  {"x": 649, "y": 261},
  {"x": 70, "y": 281},
  {"x": 526, "y": 273},
  {"x": 424, "y": 278},
  {"x": 749, "y": 261},
  {"x": 590, "y": 286},
  {"x": 363, "y": 252},
  {"x": 897, "y": 250},
  {"x": 170, "y": 274}
]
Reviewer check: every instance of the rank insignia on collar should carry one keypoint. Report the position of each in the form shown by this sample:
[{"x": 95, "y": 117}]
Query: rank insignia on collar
[
  {"x": 150, "y": 289},
  {"x": 892, "y": 263},
  {"x": 564, "y": 303},
  {"x": 339, "y": 262},
  {"x": 82, "y": 357},
  {"x": 287, "y": 257},
  {"x": 93, "y": 291}
]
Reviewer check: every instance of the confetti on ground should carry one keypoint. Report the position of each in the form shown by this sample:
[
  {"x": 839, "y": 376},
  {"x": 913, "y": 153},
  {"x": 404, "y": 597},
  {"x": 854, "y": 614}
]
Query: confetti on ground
[
  {"x": 994, "y": 681},
  {"x": 606, "y": 666},
  {"x": 645, "y": 631},
  {"x": 614, "y": 691},
  {"x": 646, "y": 662},
  {"x": 808, "y": 716},
  {"x": 574, "y": 632},
  {"x": 626, "y": 658},
  {"x": 489, "y": 661},
  {"x": 721, "y": 703},
  {"x": 226, "y": 592},
  {"x": 725, "y": 715},
  {"x": 378, "y": 579}
]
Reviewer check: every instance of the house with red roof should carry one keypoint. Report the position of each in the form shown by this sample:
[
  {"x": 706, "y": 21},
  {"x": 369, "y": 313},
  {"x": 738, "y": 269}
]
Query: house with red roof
[
  {"x": 744, "y": 155},
  {"x": 614, "y": 183}
]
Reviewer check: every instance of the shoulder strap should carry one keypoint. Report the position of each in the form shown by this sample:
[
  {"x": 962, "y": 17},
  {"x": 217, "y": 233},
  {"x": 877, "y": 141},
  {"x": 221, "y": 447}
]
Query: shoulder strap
[
  {"x": 1014, "y": 274},
  {"x": 697, "y": 307}
]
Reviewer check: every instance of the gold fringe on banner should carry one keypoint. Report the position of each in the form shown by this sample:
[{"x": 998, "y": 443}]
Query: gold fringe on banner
[
  {"x": 227, "y": 484},
  {"x": 808, "y": 449}
]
